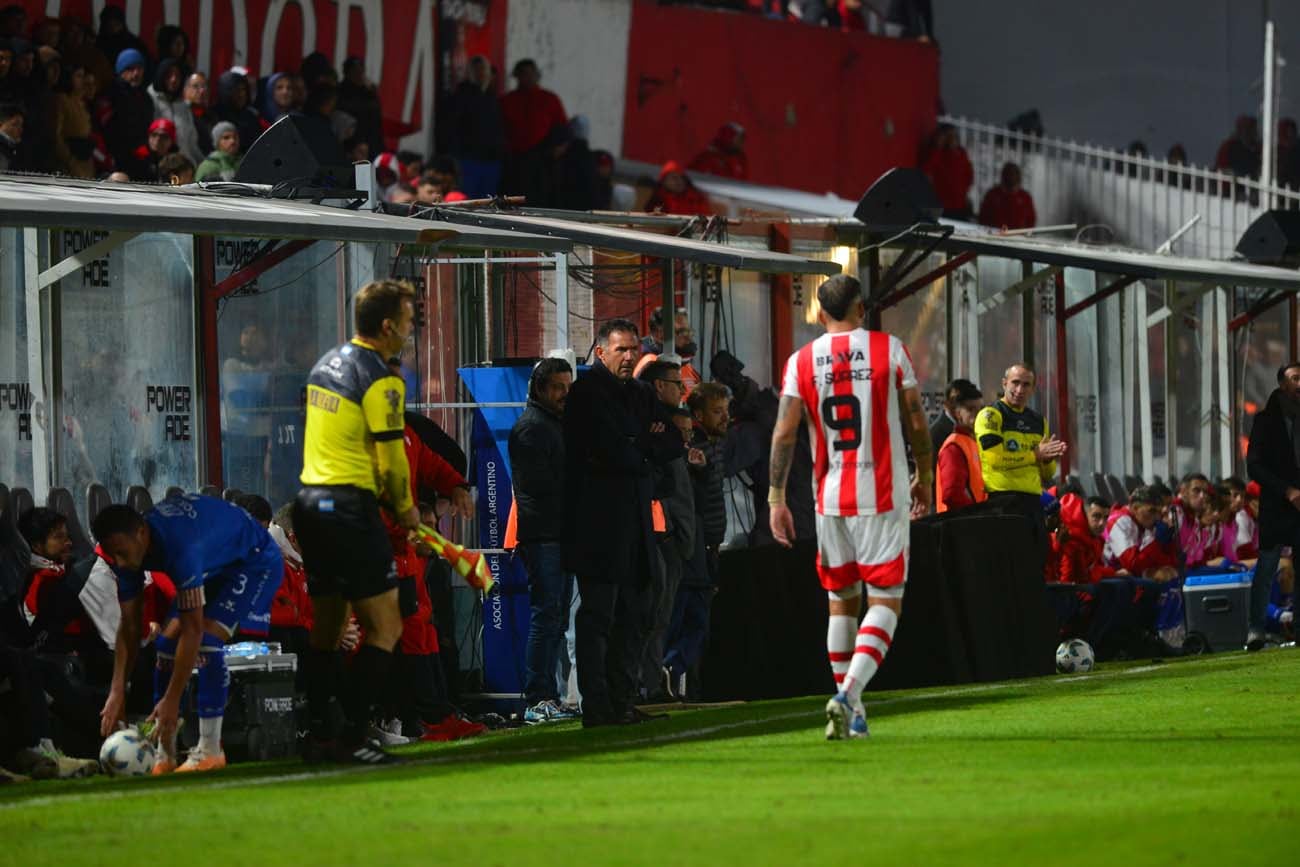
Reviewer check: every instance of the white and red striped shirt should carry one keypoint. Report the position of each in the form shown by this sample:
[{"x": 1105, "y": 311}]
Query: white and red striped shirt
[{"x": 849, "y": 384}]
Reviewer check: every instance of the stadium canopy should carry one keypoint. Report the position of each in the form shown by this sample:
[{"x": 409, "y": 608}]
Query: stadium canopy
[{"x": 1044, "y": 260}]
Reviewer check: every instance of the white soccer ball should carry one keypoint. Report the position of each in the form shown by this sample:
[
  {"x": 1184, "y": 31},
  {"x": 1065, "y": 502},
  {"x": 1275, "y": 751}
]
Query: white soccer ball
[
  {"x": 127, "y": 754},
  {"x": 1074, "y": 657}
]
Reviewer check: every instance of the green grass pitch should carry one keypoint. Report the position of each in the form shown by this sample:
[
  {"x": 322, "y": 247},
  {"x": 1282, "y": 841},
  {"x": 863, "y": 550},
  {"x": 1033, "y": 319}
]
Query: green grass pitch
[{"x": 1188, "y": 762}]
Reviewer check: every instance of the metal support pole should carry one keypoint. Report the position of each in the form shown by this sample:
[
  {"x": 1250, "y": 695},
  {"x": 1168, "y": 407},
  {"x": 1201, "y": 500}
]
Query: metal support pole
[
  {"x": 1142, "y": 346},
  {"x": 1269, "y": 164},
  {"x": 1208, "y": 416},
  {"x": 1224, "y": 407},
  {"x": 1062, "y": 375},
  {"x": 873, "y": 273},
  {"x": 42, "y": 416},
  {"x": 669, "y": 308},
  {"x": 1170, "y": 324},
  {"x": 562, "y": 301},
  {"x": 1293, "y": 320},
  {"x": 1128, "y": 332},
  {"x": 1027, "y": 302}
]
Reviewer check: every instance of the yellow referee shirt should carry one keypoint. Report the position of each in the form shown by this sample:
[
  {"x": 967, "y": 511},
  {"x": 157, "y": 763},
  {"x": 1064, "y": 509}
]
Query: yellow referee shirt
[{"x": 1007, "y": 439}]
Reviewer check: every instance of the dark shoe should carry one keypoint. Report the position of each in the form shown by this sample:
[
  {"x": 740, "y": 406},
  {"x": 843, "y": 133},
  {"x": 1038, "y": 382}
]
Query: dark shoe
[
  {"x": 368, "y": 752},
  {"x": 1255, "y": 641}
]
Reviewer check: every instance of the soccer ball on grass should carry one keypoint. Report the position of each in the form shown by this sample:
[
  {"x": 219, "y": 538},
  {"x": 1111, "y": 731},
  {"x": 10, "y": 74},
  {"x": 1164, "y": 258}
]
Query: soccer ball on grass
[
  {"x": 1074, "y": 657},
  {"x": 127, "y": 754}
]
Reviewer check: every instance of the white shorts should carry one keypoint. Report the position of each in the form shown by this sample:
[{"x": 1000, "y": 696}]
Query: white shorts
[{"x": 871, "y": 549}]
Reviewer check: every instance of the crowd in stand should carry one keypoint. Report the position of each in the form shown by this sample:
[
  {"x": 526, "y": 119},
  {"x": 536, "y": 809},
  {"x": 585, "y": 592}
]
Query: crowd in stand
[{"x": 902, "y": 19}]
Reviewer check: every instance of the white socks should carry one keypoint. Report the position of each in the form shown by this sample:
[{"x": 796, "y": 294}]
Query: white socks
[
  {"x": 841, "y": 629},
  {"x": 874, "y": 638},
  {"x": 210, "y": 735}
]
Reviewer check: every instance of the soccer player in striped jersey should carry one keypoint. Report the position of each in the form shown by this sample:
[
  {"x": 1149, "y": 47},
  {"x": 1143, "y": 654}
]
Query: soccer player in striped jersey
[{"x": 857, "y": 392}]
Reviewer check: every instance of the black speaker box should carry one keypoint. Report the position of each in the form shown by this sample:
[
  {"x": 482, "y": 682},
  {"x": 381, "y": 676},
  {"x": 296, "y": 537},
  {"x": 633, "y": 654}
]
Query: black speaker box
[
  {"x": 291, "y": 151},
  {"x": 1273, "y": 239},
  {"x": 899, "y": 198}
]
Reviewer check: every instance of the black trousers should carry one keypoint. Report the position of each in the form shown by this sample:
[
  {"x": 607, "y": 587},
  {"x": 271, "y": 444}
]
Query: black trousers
[{"x": 611, "y": 628}]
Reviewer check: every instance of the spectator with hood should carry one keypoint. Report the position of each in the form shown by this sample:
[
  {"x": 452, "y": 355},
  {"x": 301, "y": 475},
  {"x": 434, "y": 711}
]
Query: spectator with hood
[
  {"x": 126, "y": 112},
  {"x": 675, "y": 194},
  {"x": 174, "y": 45},
  {"x": 113, "y": 36},
  {"x": 725, "y": 155},
  {"x": 950, "y": 172},
  {"x": 359, "y": 98},
  {"x": 278, "y": 98},
  {"x": 234, "y": 105},
  {"x": 1008, "y": 205},
  {"x": 476, "y": 132}
]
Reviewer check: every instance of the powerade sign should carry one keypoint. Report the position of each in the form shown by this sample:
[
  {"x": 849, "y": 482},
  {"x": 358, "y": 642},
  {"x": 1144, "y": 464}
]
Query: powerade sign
[{"x": 506, "y": 608}]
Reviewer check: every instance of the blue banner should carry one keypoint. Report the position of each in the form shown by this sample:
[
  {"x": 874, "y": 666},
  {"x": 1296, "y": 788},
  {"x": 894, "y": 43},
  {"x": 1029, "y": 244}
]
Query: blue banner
[{"x": 506, "y": 608}]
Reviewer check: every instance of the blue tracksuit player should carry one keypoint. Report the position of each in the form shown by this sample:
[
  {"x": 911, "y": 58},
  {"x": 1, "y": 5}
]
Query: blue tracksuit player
[{"x": 226, "y": 569}]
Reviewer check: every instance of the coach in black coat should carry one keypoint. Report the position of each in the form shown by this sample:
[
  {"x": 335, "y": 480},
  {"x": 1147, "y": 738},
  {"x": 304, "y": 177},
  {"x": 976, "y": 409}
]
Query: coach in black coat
[
  {"x": 614, "y": 433},
  {"x": 1273, "y": 460}
]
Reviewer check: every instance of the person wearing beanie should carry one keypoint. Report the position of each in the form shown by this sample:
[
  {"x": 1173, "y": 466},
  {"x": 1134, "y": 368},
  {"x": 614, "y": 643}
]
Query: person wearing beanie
[
  {"x": 224, "y": 160},
  {"x": 124, "y": 114}
]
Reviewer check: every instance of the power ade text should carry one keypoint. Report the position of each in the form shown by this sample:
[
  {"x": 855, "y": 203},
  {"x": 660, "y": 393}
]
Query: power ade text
[
  {"x": 16, "y": 397},
  {"x": 95, "y": 272},
  {"x": 174, "y": 403}
]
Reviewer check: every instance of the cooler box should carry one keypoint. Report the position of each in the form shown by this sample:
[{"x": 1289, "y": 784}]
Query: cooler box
[
  {"x": 260, "y": 723},
  {"x": 1218, "y": 608}
]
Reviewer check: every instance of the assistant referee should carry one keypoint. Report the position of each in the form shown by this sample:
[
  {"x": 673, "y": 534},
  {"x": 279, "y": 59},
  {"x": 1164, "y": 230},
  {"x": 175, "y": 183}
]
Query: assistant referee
[{"x": 354, "y": 460}]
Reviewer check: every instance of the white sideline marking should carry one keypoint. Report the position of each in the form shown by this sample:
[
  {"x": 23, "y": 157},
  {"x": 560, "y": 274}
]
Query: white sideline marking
[{"x": 670, "y": 737}]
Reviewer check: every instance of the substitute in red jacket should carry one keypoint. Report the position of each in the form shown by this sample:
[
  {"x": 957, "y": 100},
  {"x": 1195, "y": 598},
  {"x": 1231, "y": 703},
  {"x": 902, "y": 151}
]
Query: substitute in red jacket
[
  {"x": 1079, "y": 543},
  {"x": 1008, "y": 205},
  {"x": 725, "y": 155},
  {"x": 675, "y": 193},
  {"x": 1137, "y": 543}
]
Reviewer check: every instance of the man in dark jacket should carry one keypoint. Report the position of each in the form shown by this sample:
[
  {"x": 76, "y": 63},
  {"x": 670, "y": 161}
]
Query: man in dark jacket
[
  {"x": 1273, "y": 460},
  {"x": 676, "y": 539},
  {"x": 614, "y": 434},
  {"x": 537, "y": 462},
  {"x": 125, "y": 114},
  {"x": 476, "y": 134},
  {"x": 689, "y": 629},
  {"x": 359, "y": 98}
]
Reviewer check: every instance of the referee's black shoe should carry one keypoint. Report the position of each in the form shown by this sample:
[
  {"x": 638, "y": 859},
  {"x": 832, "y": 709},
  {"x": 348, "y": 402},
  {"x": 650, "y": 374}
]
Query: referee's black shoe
[{"x": 368, "y": 752}]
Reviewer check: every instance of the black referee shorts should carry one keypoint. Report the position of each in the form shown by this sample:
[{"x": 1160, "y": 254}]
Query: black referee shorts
[{"x": 345, "y": 547}]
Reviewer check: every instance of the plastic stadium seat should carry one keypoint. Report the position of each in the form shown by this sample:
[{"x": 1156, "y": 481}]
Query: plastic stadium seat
[
  {"x": 97, "y": 497},
  {"x": 210, "y": 491},
  {"x": 60, "y": 500},
  {"x": 174, "y": 491},
  {"x": 231, "y": 494},
  {"x": 1131, "y": 483},
  {"x": 1073, "y": 485},
  {"x": 20, "y": 500},
  {"x": 1099, "y": 486},
  {"x": 138, "y": 499},
  {"x": 1118, "y": 495},
  {"x": 1156, "y": 480}
]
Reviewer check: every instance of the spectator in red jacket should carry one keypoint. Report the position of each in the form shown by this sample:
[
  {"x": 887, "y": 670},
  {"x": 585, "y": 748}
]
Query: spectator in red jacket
[
  {"x": 1136, "y": 544},
  {"x": 725, "y": 155},
  {"x": 949, "y": 170},
  {"x": 529, "y": 113},
  {"x": 1008, "y": 205},
  {"x": 675, "y": 194},
  {"x": 1079, "y": 541}
]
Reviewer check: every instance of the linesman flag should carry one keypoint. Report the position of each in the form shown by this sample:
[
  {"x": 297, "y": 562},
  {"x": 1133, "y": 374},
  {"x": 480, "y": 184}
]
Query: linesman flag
[{"x": 470, "y": 565}]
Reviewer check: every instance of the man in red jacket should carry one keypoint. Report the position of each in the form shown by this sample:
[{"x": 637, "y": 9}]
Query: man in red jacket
[
  {"x": 950, "y": 172},
  {"x": 529, "y": 113},
  {"x": 1008, "y": 205},
  {"x": 1079, "y": 541},
  {"x": 1133, "y": 543}
]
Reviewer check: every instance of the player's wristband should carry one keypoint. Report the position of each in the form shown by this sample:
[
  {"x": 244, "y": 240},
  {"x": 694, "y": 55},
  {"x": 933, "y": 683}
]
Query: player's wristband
[{"x": 776, "y": 496}]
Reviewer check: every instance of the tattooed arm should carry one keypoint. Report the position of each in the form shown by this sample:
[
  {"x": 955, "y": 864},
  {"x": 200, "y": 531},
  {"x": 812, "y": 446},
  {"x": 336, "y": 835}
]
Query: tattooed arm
[
  {"x": 912, "y": 415},
  {"x": 784, "y": 438}
]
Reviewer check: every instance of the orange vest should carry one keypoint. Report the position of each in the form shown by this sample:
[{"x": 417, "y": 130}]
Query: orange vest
[{"x": 975, "y": 476}]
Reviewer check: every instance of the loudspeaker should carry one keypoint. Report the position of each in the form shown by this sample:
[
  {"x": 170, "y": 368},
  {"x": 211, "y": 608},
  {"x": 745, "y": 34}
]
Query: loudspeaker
[
  {"x": 291, "y": 151},
  {"x": 899, "y": 198},
  {"x": 1273, "y": 239}
]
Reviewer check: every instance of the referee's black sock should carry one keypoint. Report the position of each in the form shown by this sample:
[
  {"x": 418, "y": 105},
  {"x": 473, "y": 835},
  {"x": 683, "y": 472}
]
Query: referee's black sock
[
  {"x": 323, "y": 669},
  {"x": 362, "y": 687}
]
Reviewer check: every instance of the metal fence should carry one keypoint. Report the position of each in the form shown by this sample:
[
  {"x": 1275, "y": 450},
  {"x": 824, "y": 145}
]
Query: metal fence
[{"x": 1128, "y": 199}]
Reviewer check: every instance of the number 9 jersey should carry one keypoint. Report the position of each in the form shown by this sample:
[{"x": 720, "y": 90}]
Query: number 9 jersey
[{"x": 849, "y": 383}]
